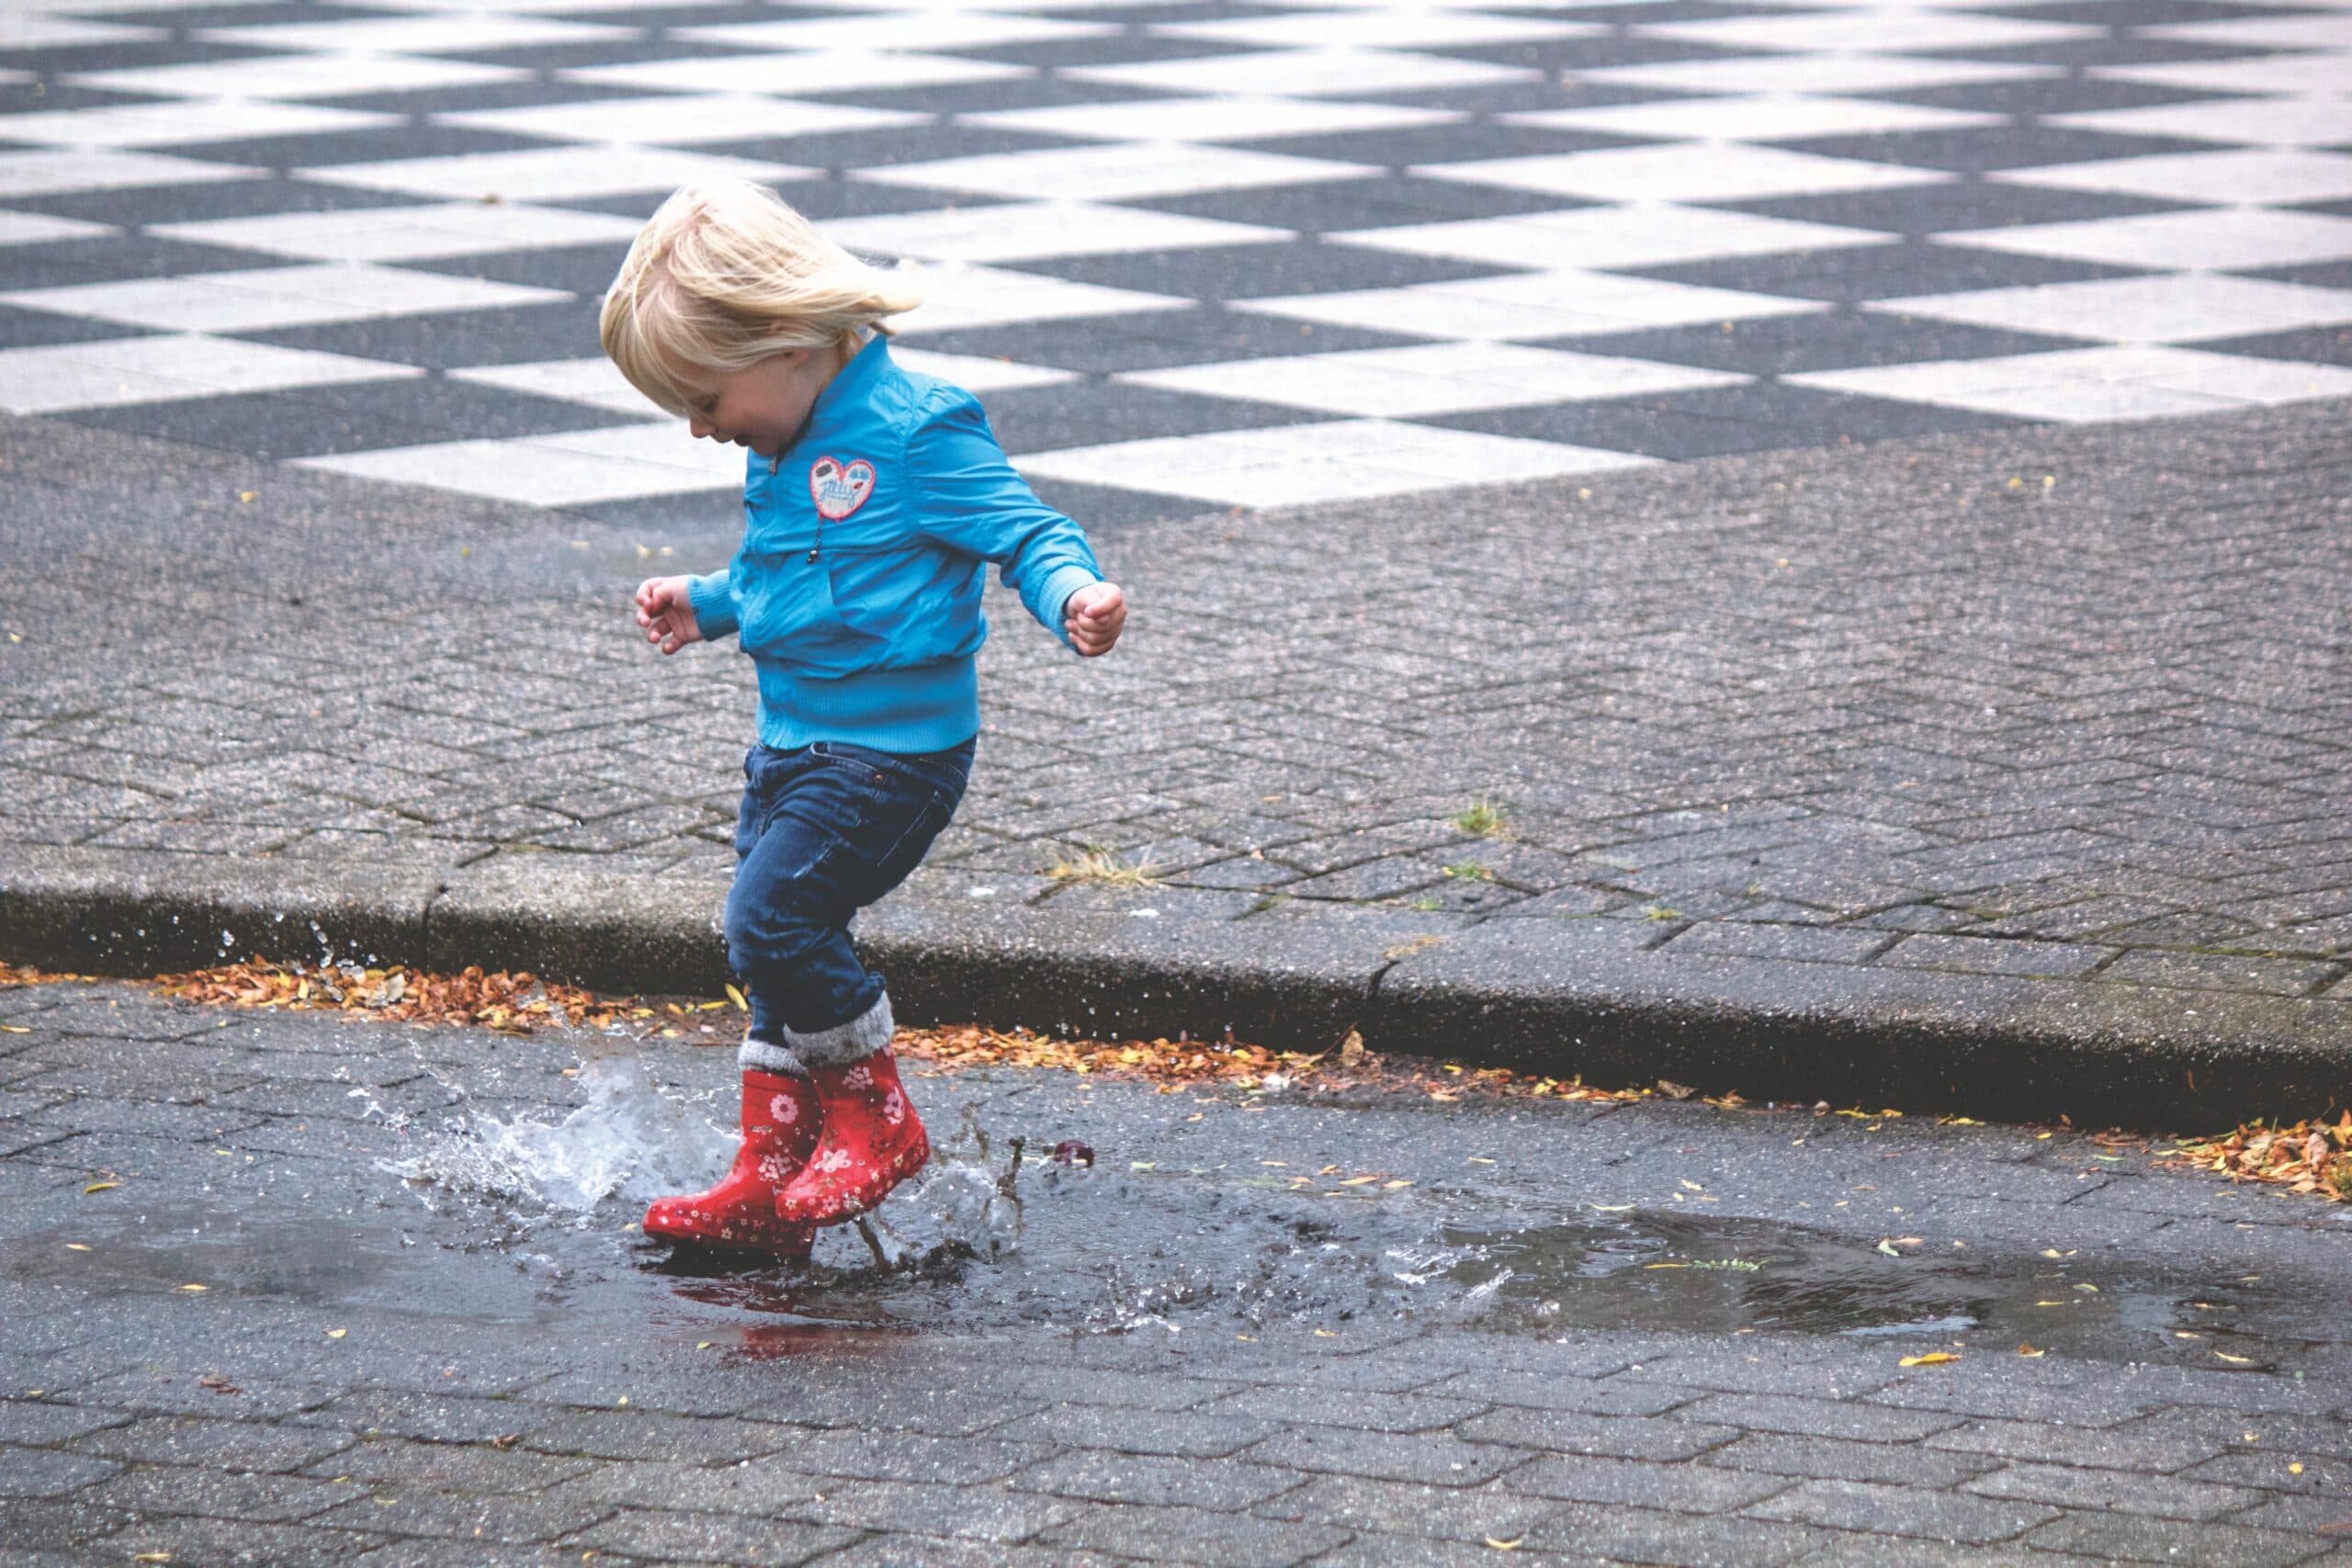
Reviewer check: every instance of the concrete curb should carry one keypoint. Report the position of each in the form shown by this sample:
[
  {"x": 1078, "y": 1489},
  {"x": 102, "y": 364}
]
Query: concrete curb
[{"x": 1558, "y": 997}]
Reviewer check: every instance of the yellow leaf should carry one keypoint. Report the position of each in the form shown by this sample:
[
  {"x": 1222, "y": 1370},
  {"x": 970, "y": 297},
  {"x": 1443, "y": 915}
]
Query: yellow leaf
[
  {"x": 1480, "y": 1159},
  {"x": 737, "y": 997},
  {"x": 152, "y": 1557},
  {"x": 1612, "y": 1207},
  {"x": 2236, "y": 1360},
  {"x": 102, "y": 1187},
  {"x": 1691, "y": 1186},
  {"x": 78, "y": 1247},
  {"x": 2030, "y": 1351},
  {"x": 1932, "y": 1358},
  {"x": 2052, "y": 1303},
  {"x": 1325, "y": 1334},
  {"x": 196, "y": 1287},
  {"x": 1392, "y": 1186},
  {"x": 1358, "y": 1181},
  {"x": 2294, "y": 1470},
  {"x": 1502, "y": 1545},
  {"x": 337, "y": 1333}
]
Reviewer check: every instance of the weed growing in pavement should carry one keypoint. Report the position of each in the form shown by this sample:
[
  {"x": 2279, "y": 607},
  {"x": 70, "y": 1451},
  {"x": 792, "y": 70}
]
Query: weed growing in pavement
[
  {"x": 1470, "y": 873},
  {"x": 1483, "y": 818},
  {"x": 1098, "y": 865}
]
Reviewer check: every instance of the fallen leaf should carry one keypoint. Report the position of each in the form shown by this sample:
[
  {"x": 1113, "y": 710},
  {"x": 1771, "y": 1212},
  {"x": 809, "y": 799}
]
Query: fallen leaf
[
  {"x": 1358, "y": 1181},
  {"x": 1502, "y": 1545},
  {"x": 737, "y": 997},
  {"x": 1666, "y": 1266},
  {"x": 337, "y": 1333},
  {"x": 196, "y": 1287},
  {"x": 101, "y": 1187},
  {"x": 2235, "y": 1360},
  {"x": 2028, "y": 1351},
  {"x": 1673, "y": 1090},
  {"x": 2294, "y": 1470},
  {"x": 1691, "y": 1186},
  {"x": 78, "y": 1247},
  {"x": 1932, "y": 1358}
]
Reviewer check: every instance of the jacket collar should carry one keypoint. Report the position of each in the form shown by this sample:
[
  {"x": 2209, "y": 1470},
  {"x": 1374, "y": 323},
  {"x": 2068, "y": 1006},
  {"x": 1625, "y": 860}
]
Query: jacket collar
[{"x": 837, "y": 406}]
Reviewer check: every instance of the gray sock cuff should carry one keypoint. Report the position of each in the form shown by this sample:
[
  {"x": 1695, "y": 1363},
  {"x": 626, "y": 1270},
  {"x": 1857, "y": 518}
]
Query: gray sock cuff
[
  {"x": 845, "y": 1043},
  {"x": 759, "y": 1056}
]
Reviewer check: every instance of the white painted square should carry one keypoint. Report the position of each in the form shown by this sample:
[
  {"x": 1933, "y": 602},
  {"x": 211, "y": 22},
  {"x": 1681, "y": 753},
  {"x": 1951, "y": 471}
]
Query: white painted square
[
  {"x": 1305, "y": 73},
  {"x": 2086, "y": 386},
  {"x": 50, "y": 173},
  {"x": 24, "y": 28},
  {"x": 830, "y": 71},
  {"x": 2271, "y": 175},
  {"x": 296, "y": 76},
  {"x": 185, "y": 121},
  {"x": 1397, "y": 28},
  {"x": 156, "y": 369},
  {"x": 940, "y": 32},
  {"x": 1815, "y": 73},
  {"x": 36, "y": 229},
  {"x": 593, "y": 381},
  {"x": 958, "y": 297},
  {"x": 553, "y": 173},
  {"x": 1295, "y": 465},
  {"x": 2168, "y": 307},
  {"x": 1410, "y": 383},
  {"x": 1210, "y": 119},
  {"x": 1754, "y": 117},
  {"x": 275, "y": 297},
  {"x": 408, "y": 234},
  {"x": 975, "y": 373},
  {"x": 1626, "y": 236},
  {"x": 1683, "y": 171},
  {"x": 1119, "y": 172},
  {"x": 1893, "y": 29},
  {"x": 2223, "y": 238},
  {"x": 1527, "y": 306},
  {"x": 446, "y": 33},
  {"x": 670, "y": 120},
  {"x": 1025, "y": 230},
  {"x": 2306, "y": 120},
  {"x": 539, "y": 472}
]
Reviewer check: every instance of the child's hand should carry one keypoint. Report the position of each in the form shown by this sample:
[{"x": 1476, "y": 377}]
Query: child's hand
[
  {"x": 1094, "y": 616},
  {"x": 666, "y": 614}
]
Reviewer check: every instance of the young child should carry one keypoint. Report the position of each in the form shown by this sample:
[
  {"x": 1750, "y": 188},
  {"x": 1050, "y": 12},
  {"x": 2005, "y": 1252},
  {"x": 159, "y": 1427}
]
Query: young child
[{"x": 872, "y": 499}]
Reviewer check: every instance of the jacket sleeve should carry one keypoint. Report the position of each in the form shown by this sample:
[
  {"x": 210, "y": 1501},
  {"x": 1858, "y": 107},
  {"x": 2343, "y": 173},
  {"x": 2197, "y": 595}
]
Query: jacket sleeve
[
  {"x": 970, "y": 500},
  {"x": 713, "y": 601}
]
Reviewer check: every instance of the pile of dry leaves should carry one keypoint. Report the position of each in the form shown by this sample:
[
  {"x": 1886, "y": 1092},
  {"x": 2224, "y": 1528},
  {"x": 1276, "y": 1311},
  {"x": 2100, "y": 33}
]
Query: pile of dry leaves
[{"x": 2307, "y": 1157}]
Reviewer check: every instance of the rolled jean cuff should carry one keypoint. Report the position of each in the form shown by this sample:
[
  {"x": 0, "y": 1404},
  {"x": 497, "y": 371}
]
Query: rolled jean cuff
[
  {"x": 761, "y": 1057},
  {"x": 845, "y": 1043}
]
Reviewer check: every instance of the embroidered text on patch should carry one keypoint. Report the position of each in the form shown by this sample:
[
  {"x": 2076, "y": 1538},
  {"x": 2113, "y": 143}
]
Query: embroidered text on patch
[{"x": 838, "y": 487}]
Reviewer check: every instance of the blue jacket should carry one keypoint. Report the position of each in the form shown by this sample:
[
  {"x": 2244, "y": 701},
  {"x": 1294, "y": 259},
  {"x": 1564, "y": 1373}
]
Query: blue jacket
[{"x": 857, "y": 588}]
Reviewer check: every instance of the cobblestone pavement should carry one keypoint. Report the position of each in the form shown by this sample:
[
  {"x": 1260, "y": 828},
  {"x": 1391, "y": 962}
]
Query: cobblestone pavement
[
  {"x": 2065, "y": 708},
  {"x": 1194, "y": 253},
  {"x": 1654, "y": 1334}
]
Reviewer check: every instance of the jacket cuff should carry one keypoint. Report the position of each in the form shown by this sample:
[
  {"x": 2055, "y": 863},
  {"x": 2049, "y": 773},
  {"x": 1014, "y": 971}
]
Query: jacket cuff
[
  {"x": 712, "y": 599},
  {"x": 1053, "y": 598}
]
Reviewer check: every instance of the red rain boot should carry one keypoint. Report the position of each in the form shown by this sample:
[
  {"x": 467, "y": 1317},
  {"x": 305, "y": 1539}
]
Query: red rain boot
[
  {"x": 870, "y": 1141},
  {"x": 738, "y": 1214}
]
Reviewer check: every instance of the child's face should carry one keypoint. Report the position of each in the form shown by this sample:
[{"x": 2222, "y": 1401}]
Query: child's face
[{"x": 761, "y": 406}]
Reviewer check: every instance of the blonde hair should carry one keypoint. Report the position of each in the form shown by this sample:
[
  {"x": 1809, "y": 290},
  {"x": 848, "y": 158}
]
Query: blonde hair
[{"x": 726, "y": 274}]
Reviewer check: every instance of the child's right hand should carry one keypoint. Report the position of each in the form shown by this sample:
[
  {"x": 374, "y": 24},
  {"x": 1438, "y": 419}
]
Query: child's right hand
[{"x": 666, "y": 614}]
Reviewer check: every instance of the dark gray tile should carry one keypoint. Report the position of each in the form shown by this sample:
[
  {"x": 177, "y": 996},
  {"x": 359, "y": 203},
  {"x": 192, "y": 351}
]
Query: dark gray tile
[
  {"x": 576, "y": 269},
  {"x": 532, "y": 94},
  {"x": 116, "y": 258},
  {"x": 882, "y": 146},
  {"x": 1459, "y": 142},
  {"x": 582, "y": 56},
  {"x": 2315, "y": 275},
  {"x": 2070, "y": 94},
  {"x": 978, "y": 97},
  {"x": 1116, "y": 48},
  {"x": 356, "y": 417},
  {"x": 209, "y": 202},
  {"x": 1572, "y": 54},
  {"x": 1210, "y": 272},
  {"x": 1850, "y": 274},
  {"x": 1951, "y": 207},
  {"x": 378, "y": 144},
  {"x": 20, "y": 328},
  {"x": 2126, "y": 49},
  {"x": 1092, "y": 414},
  {"x": 1832, "y": 340},
  {"x": 561, "y": 330},
  {"x": 2310, "y": 345},
  {"x": 1754, "y": 418},
  {"x": 1152, "y": 340},
  {"x": 1374, "y": 202},
  {"x": 1100, "y": 506},
  {"x": 1979, "y": 149}
]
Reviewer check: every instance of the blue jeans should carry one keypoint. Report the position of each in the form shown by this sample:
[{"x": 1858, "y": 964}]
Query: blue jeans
[{"x": 825, "y": 830}]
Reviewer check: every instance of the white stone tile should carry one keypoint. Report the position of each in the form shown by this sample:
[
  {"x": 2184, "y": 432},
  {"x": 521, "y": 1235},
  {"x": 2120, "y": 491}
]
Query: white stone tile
[
  {"x": 1210, "y": 119},
  {"x": 50, "y": 172},
  {"x": 1893, "y": 29},
  {"x": 296, "y": 76},
  {"x": 2225, "y": 239},
  {"x": 24, "y": 28},
  {"x": 1295, "y": 465},
  {"x": 2168, "y": 307},
  {"x": 275, "y": 297},
  {"x": 2308, "y": 121},
  {"x": 449, "y": 33},
  {"x": 1115, "y": 172},
  {"x": 2083, "y": 385},
  {"x": 532, "y": 473},
  {"x": 131, "y": 8},
  {"x": 408, "y": 234},
  {"x": 154, "y": 369},
  {"x": 956, "y": 297},
  {"x": 939, "y": 33},
  {"x": 829, "y": 71},
  {"x": 1815, "y": 73},
  {"x": 1624, "y": 235},
  {"x": 185, "y": 120},
  {"x": 36, "y": 228},
  {"x": 1408, "y": 383},
  {"x": 975, "y": 373},
  {"x": 1391, "y": 28},
  {"x": 531, "y": 7},
  {"x": 1683, "y": 170},
  {"x": 592, "y": 380},
  {"x": 2278, "y": 175},
  {"x": 1305, "y": 73},
  {"x": 2273, "y": 74},
  {"x": 553, "y": 173},
  {"x": 1023, "y": 230},
  {"x": 674, "y": 121},
  {"x": 1527, "y": 306},
  {"x": 1754, "y": 117}
]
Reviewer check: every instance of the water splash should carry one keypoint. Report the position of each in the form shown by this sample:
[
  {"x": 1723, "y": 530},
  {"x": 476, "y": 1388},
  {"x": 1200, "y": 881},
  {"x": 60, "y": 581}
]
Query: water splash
[{"x": 628, "y": 1142}]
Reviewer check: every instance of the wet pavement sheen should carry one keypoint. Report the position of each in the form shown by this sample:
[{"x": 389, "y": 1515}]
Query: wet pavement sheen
[{"x": 1655, "y": 1333}]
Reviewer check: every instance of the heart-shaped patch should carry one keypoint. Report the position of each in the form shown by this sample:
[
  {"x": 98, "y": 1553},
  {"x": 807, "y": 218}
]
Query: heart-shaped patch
[{"x": 838, "y": 487}]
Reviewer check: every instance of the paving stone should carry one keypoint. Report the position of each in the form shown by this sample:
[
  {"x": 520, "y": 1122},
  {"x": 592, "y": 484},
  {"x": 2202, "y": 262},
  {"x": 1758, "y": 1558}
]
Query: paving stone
[
  {"x": 2152, "y": 1444},
  {"x": 2122, "y": 1538},
  {"x": 1638, "y": 1483},
  {"x": 219, "y": 1444},
  {"x": 1684, "y": 1540},
  {"x": 404, "y": 1509},
  {"x": 272, "y": 1499},
  {"x": 1817, "y": 1418},
  {"x": 1833, "y": 1459},
  {"x": 1185, "y": 1535},
  {"x": 714, "y": 1538},
  {"x": 1107, "y": 1477},
  {"x": 1435, "y": 1459},
  {"x": 2175, "y": 1498},
  {"x": 1201, "y": 1434},
  {"x": 35, "y": 1473},
  {"x": 1575, "y": 1432},
  {"x": 1904, "y": 1511}
]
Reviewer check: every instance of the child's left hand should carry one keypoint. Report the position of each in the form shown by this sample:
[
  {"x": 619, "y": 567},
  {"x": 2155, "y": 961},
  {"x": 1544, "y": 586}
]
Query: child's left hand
[{"x": 1094, "y": 616}]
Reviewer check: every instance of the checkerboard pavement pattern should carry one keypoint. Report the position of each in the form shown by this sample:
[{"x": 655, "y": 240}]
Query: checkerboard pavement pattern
[{"x": 1193, "y": 254}]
